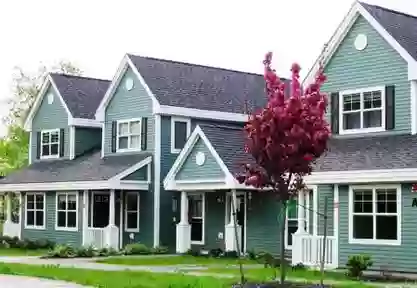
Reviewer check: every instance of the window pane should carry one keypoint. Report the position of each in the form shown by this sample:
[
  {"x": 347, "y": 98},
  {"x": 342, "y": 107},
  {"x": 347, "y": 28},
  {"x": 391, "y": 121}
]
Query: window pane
[
  {"x": 132, "y": 219},
  {"x": 372, "y": 119},
  {"x": 292, "y": 228},
  {"x": 45, "y": 138},
  {"x": 134, "y": 142},
  {"x": 196, "y": 206},
  {"x": 123, "y": 141},
  {"x": 72, "y": 202},
  {"x": 62, "y": 202},
  {"x": 372, "y": 99},
  {"x": 54, "y": 137},
  {"x": 132, "y": 202},
  {"x": 72, "y": 219},
  {"x": 386, "y": 227},
  {"x": 39, "y": 218},
  {"x": 45, "y": 150},
  {"x": 180, "y": 134},
  {"x": 292, "y": 209},
  {"x": 387, "y": 200},
  {"x": 61, "y": 219},
  {"x": 30, "y": 201},
  {"x": 196, "y": 230},
  {"x": 352, "y": 121},
  {"x": 39, "y": 201},
  {"x": 54, "y": 149},
  {"x": 123, "y": 128},
  {"x": 135, "y": 127},
  {"x": 362, "y": 201},
  {"x": 351, "y": 102},
  {"x": 362, "y": 227},
  {"x": 30, "y": 218}
]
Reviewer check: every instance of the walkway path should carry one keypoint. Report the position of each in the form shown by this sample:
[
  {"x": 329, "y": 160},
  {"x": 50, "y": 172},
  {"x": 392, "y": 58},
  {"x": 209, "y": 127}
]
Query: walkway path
[{"x": 10, "y": 281}]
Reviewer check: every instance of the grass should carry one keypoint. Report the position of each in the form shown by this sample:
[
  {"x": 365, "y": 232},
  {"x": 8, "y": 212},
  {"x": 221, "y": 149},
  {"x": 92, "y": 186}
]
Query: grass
[
  {"x": 172, "y": 260},
  {"x": 128, "y": 279},
  {"x": 21, "y": 252}
]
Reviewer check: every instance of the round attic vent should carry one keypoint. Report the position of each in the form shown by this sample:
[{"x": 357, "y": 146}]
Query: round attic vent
[
  {"x": 361, "y": 42},
  {"x": 129, "y": 84},
  {"x": 200, "y": 158},
  {"x": 50, "y": 98}
]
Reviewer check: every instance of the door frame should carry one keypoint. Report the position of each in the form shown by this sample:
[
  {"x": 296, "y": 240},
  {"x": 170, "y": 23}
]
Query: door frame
[
  {"x": 107, "y": 193},
  {"x": 245, "y": 201},
  {"x": 307, "y": 217}
]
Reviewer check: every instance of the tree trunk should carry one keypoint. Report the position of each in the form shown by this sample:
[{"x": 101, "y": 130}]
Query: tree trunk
[{"x": 282, "y": 246}]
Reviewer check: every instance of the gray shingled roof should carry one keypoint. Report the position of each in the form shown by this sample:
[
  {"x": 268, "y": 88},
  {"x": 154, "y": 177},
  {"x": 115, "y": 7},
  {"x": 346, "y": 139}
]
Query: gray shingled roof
[
  {"x": 360, "y": 153},
  {"x": 89, "y": 167},
  {"x": 401, "y": 26},
  {"x": 81, "y": 94},
  {"x": 201, "y": 87}
]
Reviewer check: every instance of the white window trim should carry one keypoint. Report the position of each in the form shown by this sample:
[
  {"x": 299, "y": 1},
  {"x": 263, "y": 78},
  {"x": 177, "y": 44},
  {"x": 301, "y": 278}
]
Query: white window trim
[
  {"x": 118, "y": 136},
  {"x": 361, "y": 92},
  {"x": 35, "y": 227},
  {"x": 179, "y": 119},
  {"x": 41, "y": 143},
  {"x": 374, "y": 241},
  {"x": 203, "y": 218},
  {"x": 138, "y": 211},
  {"x": 58, "y": 228}
]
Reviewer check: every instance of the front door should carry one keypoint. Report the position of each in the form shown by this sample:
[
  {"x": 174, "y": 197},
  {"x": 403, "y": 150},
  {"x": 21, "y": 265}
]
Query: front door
[
  {"x": 100, "y": 209},
  {"x": 240, "y": 215}
]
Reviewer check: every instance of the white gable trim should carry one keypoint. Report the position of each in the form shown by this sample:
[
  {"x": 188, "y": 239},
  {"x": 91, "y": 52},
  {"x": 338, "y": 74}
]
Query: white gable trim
[
  {"x": 82, "y": 122},
  {"x": 45, "y": 86},
  {"x": 344, "y": 27},
  {"x": 171, "y": 184},
  {"x": 134, "y": 168},
  {"x": 124, "y": 65}
]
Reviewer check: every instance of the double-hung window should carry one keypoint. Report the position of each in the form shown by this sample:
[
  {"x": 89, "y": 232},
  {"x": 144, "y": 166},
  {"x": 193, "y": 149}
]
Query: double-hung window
[
  {"x": 362, "y": 110},
  {"x": 132, "y": 212},
  {"x": 49, "y": 144},
  {"x": 180, "y": 131},
  {"x": 35, "y": 210},
  {"x": 66, "y": 211},
  {"x": 375, "y": 215},
  {"x": 129, "y": 135}
]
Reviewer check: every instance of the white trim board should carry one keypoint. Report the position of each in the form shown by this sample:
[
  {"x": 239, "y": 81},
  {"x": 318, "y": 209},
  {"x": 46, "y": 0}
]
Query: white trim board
[
  {"x": 171, "y": 184},
  {"x": 133, "y": 169},
  {"x": 125, "y": 64},
  {"x": 342, "y": 30}
]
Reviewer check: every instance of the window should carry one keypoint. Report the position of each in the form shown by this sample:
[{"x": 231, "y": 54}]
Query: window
[
  {"x": 196, "y": 218},
  {"x": 180, "y": 131},
  {"x": 66, "y": 211},
  {"x": 292, "y": 217},
  {"x": 129, "y": 134},
  {"x": 50, "y": 144},
  {"x": 362, "y": 110},
  {"x": 35, "y": 210},
  {"x": 132, "y": 212},
  {"x": 375, "y": 215}
]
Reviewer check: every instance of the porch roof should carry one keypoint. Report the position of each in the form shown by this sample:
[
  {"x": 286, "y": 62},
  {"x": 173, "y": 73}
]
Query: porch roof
[{"x": 88, "y": 167}]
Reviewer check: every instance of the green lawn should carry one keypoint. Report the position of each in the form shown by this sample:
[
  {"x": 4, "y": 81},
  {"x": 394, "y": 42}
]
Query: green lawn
[
  {"x": 21, "y": 252},
  {"x": 172, "y": 260},
  {"x": 127, "y": 279}
]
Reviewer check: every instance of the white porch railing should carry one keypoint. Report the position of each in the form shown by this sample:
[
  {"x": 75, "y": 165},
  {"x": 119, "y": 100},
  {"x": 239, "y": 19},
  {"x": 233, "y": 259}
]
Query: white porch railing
[
  {"x": 102, "y": 237},
  {"x": 307, "y": 249},
  {"x": 11, "y": 229}
]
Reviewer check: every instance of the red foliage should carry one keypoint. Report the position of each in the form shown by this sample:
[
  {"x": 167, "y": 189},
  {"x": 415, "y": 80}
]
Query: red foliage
[{"x": 288, "y": 135}]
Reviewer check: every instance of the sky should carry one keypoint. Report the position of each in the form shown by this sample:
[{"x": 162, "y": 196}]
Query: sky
[{"x": 95, "y": 35}]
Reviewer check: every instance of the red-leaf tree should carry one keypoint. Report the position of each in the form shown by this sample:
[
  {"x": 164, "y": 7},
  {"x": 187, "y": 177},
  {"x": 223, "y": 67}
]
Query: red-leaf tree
[{"x": 286, "y": 137}]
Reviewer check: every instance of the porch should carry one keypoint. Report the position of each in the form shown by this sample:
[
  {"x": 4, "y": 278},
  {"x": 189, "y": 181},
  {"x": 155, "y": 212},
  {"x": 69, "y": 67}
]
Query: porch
[{"x": 11, "y": 213}]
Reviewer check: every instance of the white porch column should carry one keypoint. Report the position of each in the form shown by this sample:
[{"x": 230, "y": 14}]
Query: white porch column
[
  {"x": 112, "y": 231},
  {"x": 9, "y": 207},
  {"x": 9, "y": 228},
  {"x": 231, "y": 243},
  {"x": 183, "y": 228},
  {"x": 86, "y": 241},
  {"x": 300, "y": 212}
]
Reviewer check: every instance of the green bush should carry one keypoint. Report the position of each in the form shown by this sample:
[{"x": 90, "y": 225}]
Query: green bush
[
  {"x": 159, "y": 250},
  {"x": 104, "y": 252},
  {"x": 62, "y": 251},
  {"x": 356, "y": 264},
  {"x": 251, "y": 254},
  {"x": 14, "y": 242},
  {"x": 136, "y": 249},
  {"x": 86, "y": 252}
]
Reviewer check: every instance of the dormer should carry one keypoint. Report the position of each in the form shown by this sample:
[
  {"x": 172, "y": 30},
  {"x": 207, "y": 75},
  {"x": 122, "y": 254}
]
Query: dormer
[{"x": 62, "y": 121}]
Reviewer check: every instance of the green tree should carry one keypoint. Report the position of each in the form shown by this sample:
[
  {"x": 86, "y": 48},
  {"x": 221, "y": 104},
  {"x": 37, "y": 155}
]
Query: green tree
[{"x": 26, "y": 87}]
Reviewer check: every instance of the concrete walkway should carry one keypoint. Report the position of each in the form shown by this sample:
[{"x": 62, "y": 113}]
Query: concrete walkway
[{"x": 11, "y": 281}]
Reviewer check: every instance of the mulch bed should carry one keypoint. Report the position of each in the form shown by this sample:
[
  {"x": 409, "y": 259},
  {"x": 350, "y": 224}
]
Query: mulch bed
[{"x": 277, "y": 285}]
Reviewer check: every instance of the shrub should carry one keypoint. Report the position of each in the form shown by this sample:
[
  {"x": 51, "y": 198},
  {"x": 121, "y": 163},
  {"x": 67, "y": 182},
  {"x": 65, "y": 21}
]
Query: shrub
[
  {"x": 216, "y": 253},
  {"x": 159, "y": 250},
  {"x": 251, "y": 254},
  {"x": 136, "y": 249},
  {"x": 299, "y": 266},
  {"x": 193, "y": 252},
  {"x": 104, "y": 252},
  {"x": 89, "y": 251},
  {"x": 231, "y": 254},
  {"x": 357, "y": 264},
  {"x": 14, "y": 242},
  {"x": 61, "y": 251}
]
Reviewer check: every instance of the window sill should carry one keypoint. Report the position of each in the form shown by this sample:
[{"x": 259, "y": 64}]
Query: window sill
[
  {"x": 375, "y": 242},
  {"x": 72, "y": 229},
  {"x": 197, "y": 242},
  {"x": 361, "y": 131},
  {"x": 35, "y": 227},
  {"x": 132, "y": 230}
]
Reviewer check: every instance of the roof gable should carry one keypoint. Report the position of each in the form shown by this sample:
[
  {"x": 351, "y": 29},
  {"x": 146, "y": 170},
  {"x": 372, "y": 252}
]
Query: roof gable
[{"x": 379, "y": 20}]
